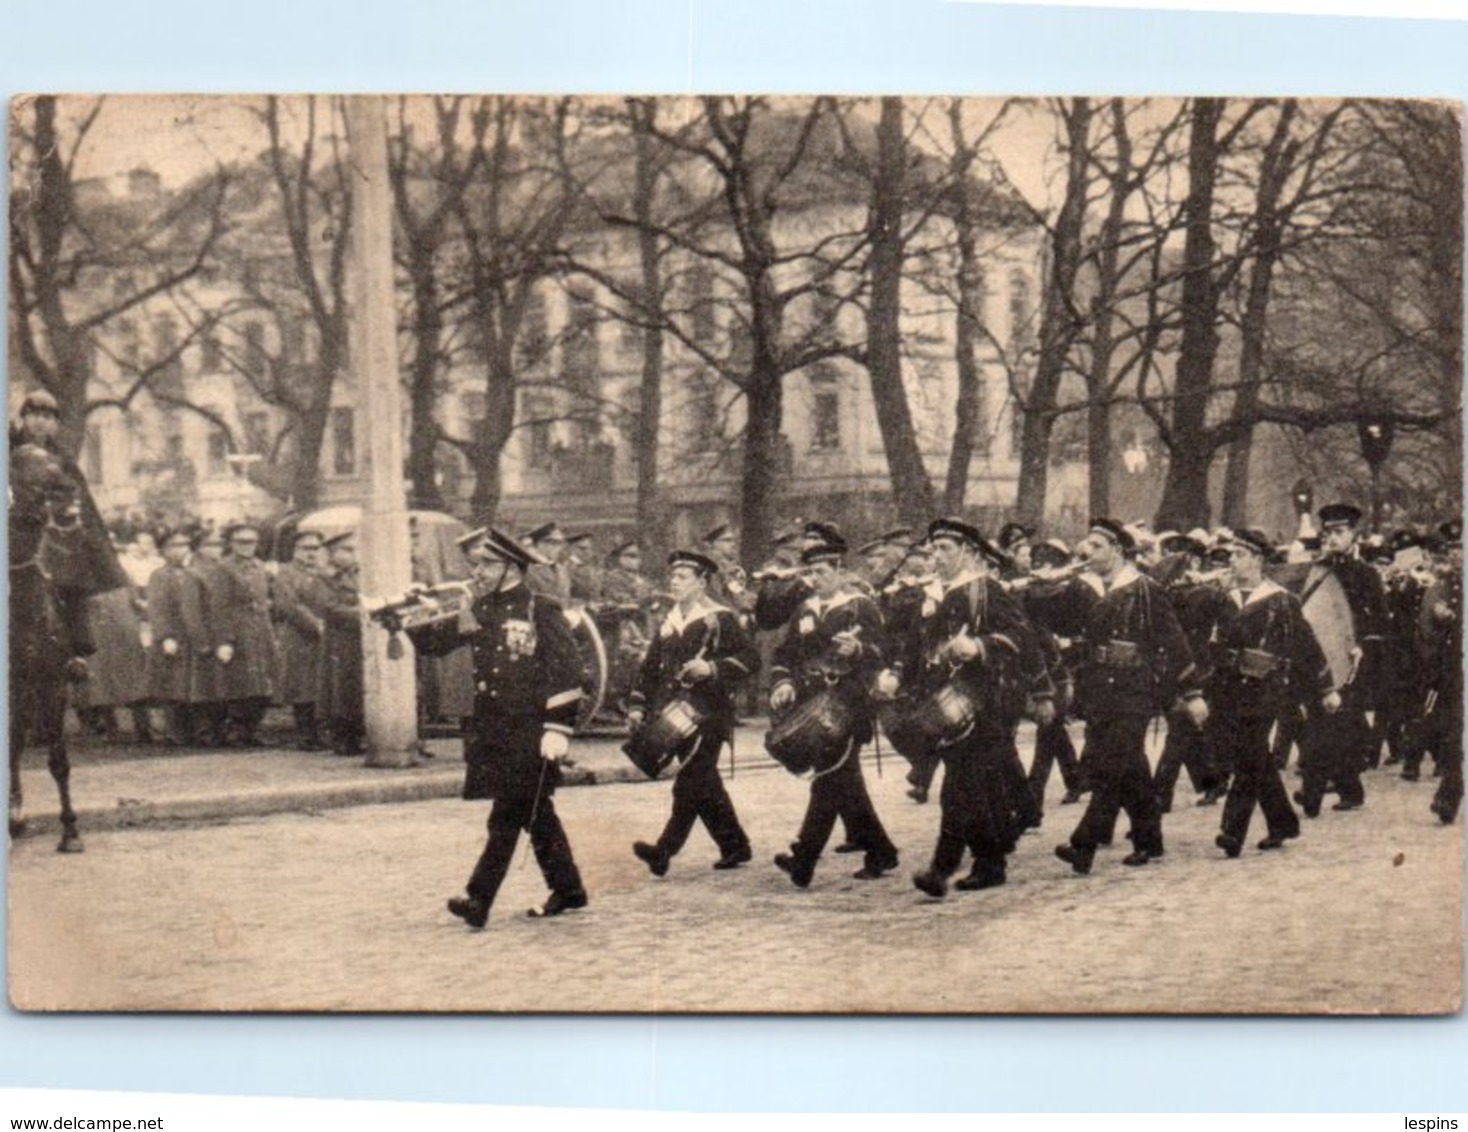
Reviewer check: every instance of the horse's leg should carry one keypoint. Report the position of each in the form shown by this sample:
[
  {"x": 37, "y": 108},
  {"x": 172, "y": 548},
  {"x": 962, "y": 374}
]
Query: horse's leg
[
  {"x": 17, "y": 745},
  {"x": 60, "y": 766}
]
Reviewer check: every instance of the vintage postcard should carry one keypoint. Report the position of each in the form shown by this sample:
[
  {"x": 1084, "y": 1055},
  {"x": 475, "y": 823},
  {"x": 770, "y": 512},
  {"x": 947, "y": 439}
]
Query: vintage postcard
[{"x": 797, "y": 555}]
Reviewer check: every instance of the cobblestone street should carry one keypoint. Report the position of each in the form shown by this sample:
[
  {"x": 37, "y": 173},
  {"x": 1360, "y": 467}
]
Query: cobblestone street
[{"x": 344, "y": 910}]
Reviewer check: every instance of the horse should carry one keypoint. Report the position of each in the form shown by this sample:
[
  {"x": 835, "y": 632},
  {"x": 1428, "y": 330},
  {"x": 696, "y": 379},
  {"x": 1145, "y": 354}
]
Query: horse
[{"x": 47, "y": 623}]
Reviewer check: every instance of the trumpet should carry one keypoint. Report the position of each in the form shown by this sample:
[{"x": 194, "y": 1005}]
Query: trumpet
[
  {"x": 775, "y": 573},
  {"x": 1049, "y": 574},
  {"x": 424, "y": 605}
]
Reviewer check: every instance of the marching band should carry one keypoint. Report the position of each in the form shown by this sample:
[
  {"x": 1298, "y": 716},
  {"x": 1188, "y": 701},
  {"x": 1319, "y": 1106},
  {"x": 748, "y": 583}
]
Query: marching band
[{"x": 947, "y": 641}]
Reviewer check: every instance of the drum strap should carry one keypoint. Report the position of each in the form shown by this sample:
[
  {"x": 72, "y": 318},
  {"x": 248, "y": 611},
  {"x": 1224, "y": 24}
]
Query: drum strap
[
  {"x": 1315, "y": 585},
  {"x": 850, "y": 746}
]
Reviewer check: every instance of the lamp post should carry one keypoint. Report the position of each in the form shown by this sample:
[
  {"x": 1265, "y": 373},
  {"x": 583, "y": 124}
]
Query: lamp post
[{"x": 1375, "y": 432}]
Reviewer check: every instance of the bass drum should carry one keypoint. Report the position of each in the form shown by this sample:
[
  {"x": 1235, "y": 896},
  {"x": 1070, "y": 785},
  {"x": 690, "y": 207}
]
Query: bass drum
[{"x": 592, "y": 652}]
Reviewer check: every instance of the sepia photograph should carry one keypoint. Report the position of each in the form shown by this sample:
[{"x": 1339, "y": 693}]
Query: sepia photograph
[{"x": 735, "y": 554}]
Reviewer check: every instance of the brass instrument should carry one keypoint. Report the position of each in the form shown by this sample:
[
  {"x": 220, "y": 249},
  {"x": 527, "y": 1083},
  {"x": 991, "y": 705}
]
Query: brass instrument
[
  {"x": 425, "y": 605},
  {"x": 1049, "y": 574}
]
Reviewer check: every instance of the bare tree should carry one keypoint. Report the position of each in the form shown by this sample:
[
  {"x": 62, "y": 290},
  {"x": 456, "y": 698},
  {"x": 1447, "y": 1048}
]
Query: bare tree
[
  {"x": 66, "y": 258},
  {"x": 429, "y": 183}
]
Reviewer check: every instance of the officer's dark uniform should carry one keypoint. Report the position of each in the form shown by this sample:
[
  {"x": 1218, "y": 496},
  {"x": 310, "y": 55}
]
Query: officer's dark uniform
[
  {"x": 809, "y": 661},
  {"x": 711, "y": 632},
  {"x": 1266, "y": 661},
  {"x": 1137, "y": 661},
  {"x": 527, "y": 682}
]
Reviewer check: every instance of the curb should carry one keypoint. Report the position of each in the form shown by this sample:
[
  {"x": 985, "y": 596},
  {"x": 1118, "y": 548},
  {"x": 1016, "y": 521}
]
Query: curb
[{"x": 419, "y": 785}]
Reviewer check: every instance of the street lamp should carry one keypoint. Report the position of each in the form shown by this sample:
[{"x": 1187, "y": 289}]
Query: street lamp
[
  {"x": 1375, "y": 433},
  {"x": 1303, "y": 496}
]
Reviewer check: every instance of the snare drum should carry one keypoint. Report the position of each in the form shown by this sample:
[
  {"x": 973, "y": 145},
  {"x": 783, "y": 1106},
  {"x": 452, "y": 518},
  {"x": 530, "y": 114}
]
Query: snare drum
[
  {"x": 917, "y": 727},
  {"x": 813, "y": 735},
  {"x": 664, "y": 737}
]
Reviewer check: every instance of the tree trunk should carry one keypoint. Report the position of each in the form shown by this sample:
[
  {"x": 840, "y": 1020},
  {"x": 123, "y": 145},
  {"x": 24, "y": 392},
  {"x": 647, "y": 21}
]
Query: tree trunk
[
  {"x": 1058, "y": 322},
  {"x": 1098, "y": 456},
  {"x": 53, "y": 214},
  {"x": 912, "y": 490},
  {"x": 650, "y": 402},
  {"x": 969, "y": 407},
  {"x": 1185, "y": 492},
  {"x": 306, "y": 473},
  {"x": 488, "y": 486},
  {"x": 764, "y": 399},
  {"x": 1034, "y": 460},
  {"x": 422, "y": 394},
  {"x": 1274, "y": 169}
]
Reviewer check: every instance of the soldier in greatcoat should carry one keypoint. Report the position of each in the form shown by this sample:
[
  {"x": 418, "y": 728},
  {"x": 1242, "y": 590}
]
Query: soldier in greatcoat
[
  {"x": 210, "y": 706},
  {"x": 301, "y": 595},
  {"x": 549, "y": 574},
  {"x": 341, "y": 681},
  {"x": 246, "y": 646},
  {"x": 700, "y": 654},
  {"x": 1265, "y": 660},
  {"x": 1137, "y": 663},
  {"x": 180, "y": 634},
  {"x": 527, "y": 681},
  {"x": 833, "y": 644}
]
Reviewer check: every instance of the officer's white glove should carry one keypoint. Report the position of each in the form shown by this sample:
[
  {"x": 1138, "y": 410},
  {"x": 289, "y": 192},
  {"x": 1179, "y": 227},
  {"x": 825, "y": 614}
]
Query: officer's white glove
[
  {"x": 170, "y": 647},
  {"x": 964, "y": 648},
  {"x": 145, "y": 635},
  {"x": 1331, "y": 702},
  {"x": 782, "y": 697},
  {"x": 554, "y": 745},
  {"x": 1196, "y": 710},
  {"x": 225, "y": 653},
  {"x": 887, "y": 684},
  {"x": 696, "y": 670}
]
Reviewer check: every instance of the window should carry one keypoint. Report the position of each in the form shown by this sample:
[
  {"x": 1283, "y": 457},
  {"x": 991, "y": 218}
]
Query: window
[
  {"x": 704, "y": 416},
  {"x": 343, "y": 441},
  {"x": 474, "y": 407},
  {"x": 538, "y": 412},
  {"x": 702, "y": 322},
  {"x": 825, "y": 318},
  {"x": 534, "y": 332},
  {"x": 257, "y": 432},
  {"x": 580, "y": 354},
  {"x": 825, "y": 414},
  {"x": 218, "y": 452},
  {"x": 169, "y": 377},
  {"x": 1021, "y": 317}
]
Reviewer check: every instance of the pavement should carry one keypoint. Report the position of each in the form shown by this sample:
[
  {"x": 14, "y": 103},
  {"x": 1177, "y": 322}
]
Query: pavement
[
  {"x": 130, "y": 785},
  {"x": 343, "y": 909}
]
